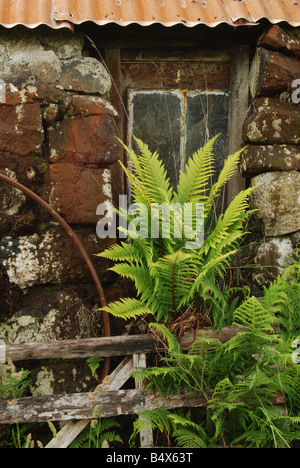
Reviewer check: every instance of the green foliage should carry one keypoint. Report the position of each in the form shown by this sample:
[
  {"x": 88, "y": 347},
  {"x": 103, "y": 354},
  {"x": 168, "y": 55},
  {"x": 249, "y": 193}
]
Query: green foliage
[
  {"x": 167, "y": 273},
  {"x": 283, "y": 297},
  {"x": 13, "y": 385},
  {"x": 240, "y": 379},
  {"x": 94, "y": 363},
  {"x": 186, "y": 433},
  {"x": 98, "y": 434}
]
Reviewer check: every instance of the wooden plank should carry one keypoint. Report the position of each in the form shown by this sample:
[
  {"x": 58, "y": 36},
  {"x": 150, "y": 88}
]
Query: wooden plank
[
  {"x": 113, "y": 65},
  {"x": 225, "y": 334},
  {"x": 146, "y": 435},
  {"x": 78, "y": 406},
  {"x": 2, "y": 352},
  {"x": 238, "y": 111},
  {"x": 73, "y": 428},
  {"x": 111, "y": 346},
  {"x": 83, "y": 348},
  {"x": 188, "y": 54}
]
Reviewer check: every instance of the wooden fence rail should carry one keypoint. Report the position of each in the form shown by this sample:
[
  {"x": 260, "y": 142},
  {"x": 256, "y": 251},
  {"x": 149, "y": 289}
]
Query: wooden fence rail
[
  {"x": 108, "y": 346},
  {"x": 105, "y": 404},
  {"x": 78, "y": 409}
]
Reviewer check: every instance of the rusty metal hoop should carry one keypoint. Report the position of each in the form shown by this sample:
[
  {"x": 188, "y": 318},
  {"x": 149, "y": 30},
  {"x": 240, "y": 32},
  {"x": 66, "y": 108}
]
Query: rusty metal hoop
[{"x": 78, "y": 243}]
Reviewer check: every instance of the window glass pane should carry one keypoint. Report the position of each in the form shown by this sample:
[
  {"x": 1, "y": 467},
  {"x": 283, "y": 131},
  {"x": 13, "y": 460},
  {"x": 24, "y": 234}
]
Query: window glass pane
[
  {"x": 155, "y": 119},
  {"x": 207, "y": 115},
  {"x": 176, "y": 123}
]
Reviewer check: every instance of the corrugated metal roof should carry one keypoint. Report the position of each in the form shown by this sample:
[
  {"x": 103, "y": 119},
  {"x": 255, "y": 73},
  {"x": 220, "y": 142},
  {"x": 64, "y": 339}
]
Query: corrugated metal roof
[
  {"x": 30, "y": 13},
  {"x": 171, "y": 12},
  {"x": 63, "y": 13}
]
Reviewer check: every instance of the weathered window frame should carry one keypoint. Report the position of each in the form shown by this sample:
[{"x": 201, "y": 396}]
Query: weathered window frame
[{"x": 239, "y": 57}]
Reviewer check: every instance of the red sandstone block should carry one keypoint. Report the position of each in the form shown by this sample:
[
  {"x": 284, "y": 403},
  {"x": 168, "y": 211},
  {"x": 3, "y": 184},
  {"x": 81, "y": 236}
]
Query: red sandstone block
[
  {"x": 91, "y": 105},
  {"x": 21, "y": 130},
  {"x": 87, "y": 140},
  {"x": 77, "y": 190}
]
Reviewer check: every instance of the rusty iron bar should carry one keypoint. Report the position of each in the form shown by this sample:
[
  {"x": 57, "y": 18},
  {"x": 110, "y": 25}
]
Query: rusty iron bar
[{"x": 78, "y": 243}]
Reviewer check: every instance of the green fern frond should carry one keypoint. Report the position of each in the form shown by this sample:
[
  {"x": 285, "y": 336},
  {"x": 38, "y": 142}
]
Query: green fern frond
[
  {"x": 193, "y": 184},
  {"x": 229, "y": 226},
  {"x": 172, "y": 342},
  {"x": 175, "y": 275},
  {"x": 251, "y": 314},
  {"x": 157, "y": 418},
  {"x": 229, "y": 169},
  {"x": 139, "y": 191},
  {"x": 127, "y": 308},
  {"x": 150, "y": 171},
  {"x": 137, "y": 251},
  {"x": 188, "y": 439}
]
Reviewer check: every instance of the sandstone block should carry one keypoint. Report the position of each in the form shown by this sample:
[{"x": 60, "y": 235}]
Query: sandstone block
[
  {"x": 78, "y": 190},
  {"x": 277, "y": 38},
  {"x": 26, "y": 62},
  {"x": 257, "y": 159},
  {"x": 11, "y": 199},
  {"x": 53, "y": 312},
  {"x": 21, "y": 129},
  {"x": 272, "y": 256},
  {"x": 86, "y": 140},
  {"x": 273, "y": 122},
  {"x": 272, "y": 72},
  {"x": 64, "y": 43},
  {"x": 277, "y": 199},
  {"x": 50, "y": 258},
  {"x": 91, "y": 105},
  {"x": 85, "y": 74}
]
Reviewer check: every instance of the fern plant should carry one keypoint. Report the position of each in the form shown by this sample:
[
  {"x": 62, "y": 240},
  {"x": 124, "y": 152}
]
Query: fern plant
[
  {"x": 283, "y": 296},
  {"x": 13, "y": 385},
  {"x": 167, "y": 273},
  {"x": 98, "y": 434},
  {"x": 243, "y": 380}
]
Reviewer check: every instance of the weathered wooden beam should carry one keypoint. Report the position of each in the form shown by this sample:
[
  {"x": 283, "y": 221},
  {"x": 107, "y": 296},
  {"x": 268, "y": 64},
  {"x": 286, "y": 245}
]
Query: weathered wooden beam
[
  {"x": 226, "y": 333},
  {"x": 105, "y": 404},
  {"x": 83, "y": 348},
  {"x": 146, "y": 435},
  {"x": 272, "y": 72},
  {"x": 111, "y": 346},
  {"x": 176, "y": 55},
  {"x": 239, "y": 103}
]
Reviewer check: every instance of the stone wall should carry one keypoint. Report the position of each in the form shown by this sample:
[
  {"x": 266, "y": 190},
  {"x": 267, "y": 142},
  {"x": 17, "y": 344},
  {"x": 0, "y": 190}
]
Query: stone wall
[
  {"x": 271, "y": 162},
  {"x": 57, "y": 137}
]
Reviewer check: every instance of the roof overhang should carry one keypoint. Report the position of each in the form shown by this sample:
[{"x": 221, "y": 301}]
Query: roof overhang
[{"x": 65, "y": 13}]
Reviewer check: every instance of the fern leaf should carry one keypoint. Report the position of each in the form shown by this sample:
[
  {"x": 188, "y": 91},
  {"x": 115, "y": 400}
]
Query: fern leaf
[
  {"x": 173, "y": 344},
  {"x": 228, "y": 170},
  {"x": 175, "y": 275},
  {"x": 150, "y": 170},
  {"x": 189, "y": 439},
  {"x": 194, "y": 182},
  {"x": 229, "y": 225},
  {"x": 127, "y": 308},
  {"x": 139, "y": 192},
  {"x": 251, "y": 314},
  {"x": 137, "y": 251}
]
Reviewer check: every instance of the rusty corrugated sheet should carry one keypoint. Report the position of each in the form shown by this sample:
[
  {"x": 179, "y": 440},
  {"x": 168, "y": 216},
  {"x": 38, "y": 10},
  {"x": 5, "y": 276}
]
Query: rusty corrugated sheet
[
  {"x": 171, "y": 12},
  {"x": 30, "y": 13},
  {"x": 63, "y": 13}
]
